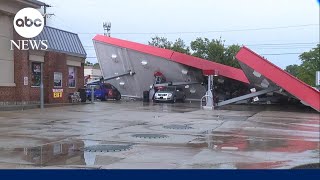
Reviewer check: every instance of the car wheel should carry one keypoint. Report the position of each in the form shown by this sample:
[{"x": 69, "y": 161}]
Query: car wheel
[
  {"x": 104, "y": 98},
  {"x": 183, "y": 99},
  {"x": 83, "y": 99},
  {"x": 174, "y": 100},
  {"x": 118, "y": 97}
]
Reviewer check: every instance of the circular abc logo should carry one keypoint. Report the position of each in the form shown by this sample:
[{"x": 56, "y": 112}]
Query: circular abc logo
[{"x": 28, "y": 22}]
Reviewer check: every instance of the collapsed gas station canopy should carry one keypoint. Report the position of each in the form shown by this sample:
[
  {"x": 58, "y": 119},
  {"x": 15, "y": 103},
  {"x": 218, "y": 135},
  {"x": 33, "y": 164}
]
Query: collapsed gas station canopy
[{"x": 256, "y": 71}]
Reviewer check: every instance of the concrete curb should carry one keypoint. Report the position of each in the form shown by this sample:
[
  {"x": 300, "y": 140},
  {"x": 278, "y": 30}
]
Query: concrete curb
[{"x": 35, "y": 106}]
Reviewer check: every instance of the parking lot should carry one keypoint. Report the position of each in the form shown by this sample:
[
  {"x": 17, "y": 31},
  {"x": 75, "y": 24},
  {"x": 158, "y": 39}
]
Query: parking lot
[{"x": 134, "y": 135}]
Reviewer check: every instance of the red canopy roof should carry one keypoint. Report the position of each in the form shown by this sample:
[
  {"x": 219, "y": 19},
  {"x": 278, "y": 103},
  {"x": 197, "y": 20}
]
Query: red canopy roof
[
  {"x": 283, "y": 79},
  {"x": 206, "y": 66}
]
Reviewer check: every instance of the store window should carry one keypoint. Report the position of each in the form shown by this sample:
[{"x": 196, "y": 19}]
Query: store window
[
  {"x": 57, "y": 149},
  {"x": 57, "y": 78},
  {"x": 36, "y": 74},
  {"x": 72, "y": 77}
]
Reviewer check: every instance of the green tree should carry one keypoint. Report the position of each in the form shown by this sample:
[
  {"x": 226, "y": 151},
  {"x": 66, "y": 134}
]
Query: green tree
[
  {"x": 212, "y": 50},
  {"x": 160, "y": 42},
  {"x": 230, "y": 55},
  {"x": 88, "y": 63},
  {"x": 180, "y": 46},
  {"x": 96, "y": 65},
  {"x": 215, "y": 50},
  {"x": 293, "y": 69},
  {"x": 310, "y": 64},
  {"x": 200, "y": 48}
]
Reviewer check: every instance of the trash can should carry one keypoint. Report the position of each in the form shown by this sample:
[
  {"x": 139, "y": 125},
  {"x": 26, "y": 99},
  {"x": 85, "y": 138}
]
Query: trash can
[
  {"x": 83, "y": 94},
  {"x": 145, "y": 96}
]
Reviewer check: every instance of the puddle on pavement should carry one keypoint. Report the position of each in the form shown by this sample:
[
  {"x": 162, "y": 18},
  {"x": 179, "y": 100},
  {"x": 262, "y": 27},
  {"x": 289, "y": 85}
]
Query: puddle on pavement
[
  {"x": 243, "y": 142},
  {"x": 59, "y": 153}
]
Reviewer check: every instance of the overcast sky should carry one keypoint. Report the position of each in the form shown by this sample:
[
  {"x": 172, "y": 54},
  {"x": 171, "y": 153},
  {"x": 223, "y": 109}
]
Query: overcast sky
[{"x": 201, "y": 18}]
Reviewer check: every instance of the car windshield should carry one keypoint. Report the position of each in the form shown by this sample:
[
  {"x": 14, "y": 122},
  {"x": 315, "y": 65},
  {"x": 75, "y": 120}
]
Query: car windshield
[
  {"x": 89, "y": 86},
  {"x": 168, "y": 89}
]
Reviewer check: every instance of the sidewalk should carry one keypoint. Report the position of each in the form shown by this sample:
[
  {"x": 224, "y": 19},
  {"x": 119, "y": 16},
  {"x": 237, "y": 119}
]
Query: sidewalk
[{"x": 35, "y": 106}]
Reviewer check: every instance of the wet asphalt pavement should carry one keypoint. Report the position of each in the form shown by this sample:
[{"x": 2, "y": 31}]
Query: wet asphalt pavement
[{"x": 139, "y": 135}]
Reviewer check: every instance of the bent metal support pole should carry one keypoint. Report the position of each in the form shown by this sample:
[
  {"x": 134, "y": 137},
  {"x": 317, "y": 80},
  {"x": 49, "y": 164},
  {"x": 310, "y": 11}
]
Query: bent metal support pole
[
  {"x": 121, "y": 75},
  {"x": 247, "y": 96},
  {"x": 209, "y": 96}
]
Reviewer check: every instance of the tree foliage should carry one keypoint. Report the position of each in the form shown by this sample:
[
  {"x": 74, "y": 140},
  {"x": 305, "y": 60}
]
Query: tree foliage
[
  {"x": 212, "y": 50},
  {"x": 88, "y": 63},
  {"x": 96, "y": 65},
  {"x": 215, "y": 50},
  {"x": 160, "y": 42},
  {"x": 293, "y": 69},
  {"x": 309, "y": 65},
  {"x": 180, "y": 46}
]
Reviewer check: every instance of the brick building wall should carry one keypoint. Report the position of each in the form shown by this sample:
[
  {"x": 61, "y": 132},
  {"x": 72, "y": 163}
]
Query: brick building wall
[
  {"x": 57, "y": 62},
  {"x": 16, "y": 65},
  {"x": 25, "y": 94},
  {"x": 7, "y": 95}
]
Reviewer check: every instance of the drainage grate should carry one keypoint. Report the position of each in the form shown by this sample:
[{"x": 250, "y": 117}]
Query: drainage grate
[
  {"x": 107, "y": 148},
  {"x": 231, "y": 118},
  {"x": 34, "y": 128},
  {"x": 83, "y": 121},
  {"x": 150, "y": 136},
  {"x": 55, "y": 130},
  {"x": 177, "y": 126}
]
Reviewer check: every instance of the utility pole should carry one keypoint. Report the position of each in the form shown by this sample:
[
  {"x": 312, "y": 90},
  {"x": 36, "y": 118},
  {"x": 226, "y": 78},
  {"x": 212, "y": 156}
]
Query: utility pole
[
  {"x": 45, "y": 13},
  {"x": 41, "y": 87},
  {"x": 42, "y": 68},
  {"x": 107, "y": 28}
]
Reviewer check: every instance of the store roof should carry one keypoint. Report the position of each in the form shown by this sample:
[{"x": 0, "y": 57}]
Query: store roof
[{"x": 62, "y": 41}]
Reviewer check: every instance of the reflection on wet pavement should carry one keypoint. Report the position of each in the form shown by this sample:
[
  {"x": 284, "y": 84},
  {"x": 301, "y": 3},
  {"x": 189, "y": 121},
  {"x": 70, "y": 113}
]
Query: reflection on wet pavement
[
  {"x": 50, "y": 154},
  {"x": 88, "y": 137},
  {"x": 245, "y": 143}
]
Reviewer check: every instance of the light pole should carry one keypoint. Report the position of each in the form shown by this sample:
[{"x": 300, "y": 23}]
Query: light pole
[{"x": 216, "y": 74}]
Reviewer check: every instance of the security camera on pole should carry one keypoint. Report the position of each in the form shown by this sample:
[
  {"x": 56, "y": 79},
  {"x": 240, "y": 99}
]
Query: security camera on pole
[{"x": 107, "y": 28}]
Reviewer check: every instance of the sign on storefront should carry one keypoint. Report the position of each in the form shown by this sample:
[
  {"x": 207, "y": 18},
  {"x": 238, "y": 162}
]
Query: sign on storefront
[
  {"x": 57, "y": 93},
  {"x": 318, "y": 78},
  {"x": 25, "y": 81}
]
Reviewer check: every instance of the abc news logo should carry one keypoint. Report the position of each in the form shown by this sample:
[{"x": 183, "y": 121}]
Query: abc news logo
[{"x": 28, "y": 23}]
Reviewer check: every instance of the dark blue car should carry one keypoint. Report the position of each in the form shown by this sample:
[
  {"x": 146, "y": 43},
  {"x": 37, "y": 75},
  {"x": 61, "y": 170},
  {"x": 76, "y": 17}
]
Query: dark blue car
[{"x": 102, "y": 91}]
